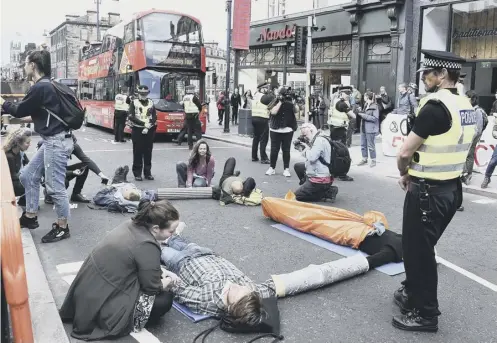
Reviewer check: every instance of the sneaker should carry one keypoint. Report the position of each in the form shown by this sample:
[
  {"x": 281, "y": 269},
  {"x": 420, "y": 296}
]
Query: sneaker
[
  {"x": 56, "y": 234},
  {"x": 29, "y": 223},
  {"x": 413, "y": 321},
  {"x": 286, "y": 173},
  {"x": 362, "y": 163},
  {"x": 373, "y": 163},
  {"x": 485, "y": 182},
  {"x": 270, "y": 171},
  {"x": 79, "y": 198},
  {"x": 331, "y": 194}
]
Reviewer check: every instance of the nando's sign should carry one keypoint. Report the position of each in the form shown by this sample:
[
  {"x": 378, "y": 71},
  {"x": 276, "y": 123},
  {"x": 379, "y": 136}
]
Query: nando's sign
[{"x": 269, "y": 35}]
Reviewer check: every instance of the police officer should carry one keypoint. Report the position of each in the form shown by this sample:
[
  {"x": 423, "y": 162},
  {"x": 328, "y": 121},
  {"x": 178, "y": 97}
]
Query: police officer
[
  {"x": 121, "y": 108},
  {"x": 431, "y": 162},
  {"x": 143, "y": 118},
  {"x": 192, "y": 106},
  {"x": 340, "y": 118},
  {"x": 260, "y": 122}
]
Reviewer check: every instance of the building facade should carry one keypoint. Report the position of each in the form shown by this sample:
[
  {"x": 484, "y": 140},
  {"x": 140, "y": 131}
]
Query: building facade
[
  {"x": 216, "y": 58},
  {"x": 360, "y": 43},
  {"x": 67, "y": 39},
  {"x": 467, "y": 28}
]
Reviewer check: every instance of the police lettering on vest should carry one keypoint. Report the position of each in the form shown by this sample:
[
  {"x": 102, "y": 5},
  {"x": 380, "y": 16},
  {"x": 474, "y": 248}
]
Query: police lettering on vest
[
  {"x": 189, "y": 105},
  {"x": 258, "y": 108},
  {"x": 143, "y": 112},
  {"x": 120, "y": 103},
  {"x": 442, "y": 157}
]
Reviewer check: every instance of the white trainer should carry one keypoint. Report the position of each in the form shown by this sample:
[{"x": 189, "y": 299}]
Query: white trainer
[
  {"x": 286, "y": 172},
  {"x": 270, "y": 171}
]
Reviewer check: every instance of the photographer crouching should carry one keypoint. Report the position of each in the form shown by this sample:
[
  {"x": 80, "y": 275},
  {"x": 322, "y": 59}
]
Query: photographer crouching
[{"x": 314, "y": 174}]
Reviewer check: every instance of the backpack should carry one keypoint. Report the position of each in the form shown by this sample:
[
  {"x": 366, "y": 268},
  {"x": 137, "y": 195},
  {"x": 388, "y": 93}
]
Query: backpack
[
  {"x": 340, "y": 158},
  {"x": 269, "y": 326},
  {"x": 71, "y": 113}
]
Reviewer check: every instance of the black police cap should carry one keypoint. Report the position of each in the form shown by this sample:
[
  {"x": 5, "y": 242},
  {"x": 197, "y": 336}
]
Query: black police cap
[
  {"x": 142, "y": 89},
  {"x": 441, "y": 59}
]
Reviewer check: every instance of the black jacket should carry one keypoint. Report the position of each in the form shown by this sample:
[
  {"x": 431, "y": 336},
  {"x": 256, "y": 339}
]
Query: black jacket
[
  {"x": 41, "y": 94},
  {"x": 284, "y": 118},
  {"x": 15, "y": 165}
]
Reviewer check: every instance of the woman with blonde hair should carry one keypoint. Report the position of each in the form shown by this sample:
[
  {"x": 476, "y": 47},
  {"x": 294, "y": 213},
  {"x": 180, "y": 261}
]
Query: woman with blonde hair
[
  {"x": 15, "y": 145},
  {"x": 200, "y": 169}
]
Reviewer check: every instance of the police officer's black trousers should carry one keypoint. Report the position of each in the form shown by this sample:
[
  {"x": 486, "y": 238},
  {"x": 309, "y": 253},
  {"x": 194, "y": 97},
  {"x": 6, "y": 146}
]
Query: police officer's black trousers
[
  {"x": 261, "y": 136},
  {"x": 338, "y": 134},
  {"x": 193, "y": 126},
  {"x": 119, "y": 125},
  {"x": 420, "y": 234},
  {"x": 142, "y": 151}
]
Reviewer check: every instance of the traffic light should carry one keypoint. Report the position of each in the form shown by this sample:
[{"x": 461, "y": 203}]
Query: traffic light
[
  {"x": 312, "y": 78},
  {"x": 214, "y": 78},
  {"x": 300, "y": 47}
]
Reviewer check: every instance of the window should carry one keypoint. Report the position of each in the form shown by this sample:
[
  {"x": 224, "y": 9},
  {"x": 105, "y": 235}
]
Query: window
[
  {"x": 99, "y": 89},
  {"x": 171, "y": 28},
  {"x": 129, "y": 32},
  {"x": 208, "y": 79},
  {"x": 86, "y": 89}
]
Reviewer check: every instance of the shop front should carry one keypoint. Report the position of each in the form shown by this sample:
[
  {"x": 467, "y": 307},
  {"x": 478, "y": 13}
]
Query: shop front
[{"x": 356, "y": 44}]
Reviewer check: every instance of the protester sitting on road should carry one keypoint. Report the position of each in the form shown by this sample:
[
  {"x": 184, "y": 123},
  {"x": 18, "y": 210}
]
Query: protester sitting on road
[
  {"x": 200, "y": 168},
  {"x": 315, "y": 179},
  {"x": 119, "y": 287},
  {"x": 370, "y": 127},
  {"x": 78, "y": 171},
  {"x": 15, "y": 145}
]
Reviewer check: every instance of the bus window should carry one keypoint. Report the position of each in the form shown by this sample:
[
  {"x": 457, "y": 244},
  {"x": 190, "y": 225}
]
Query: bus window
[
  {"x": 109, "y": 94},
  {"x": 181, "y": 29},
  {"x": 152, "y": 80},
  {"x": 129, "y": 32}
]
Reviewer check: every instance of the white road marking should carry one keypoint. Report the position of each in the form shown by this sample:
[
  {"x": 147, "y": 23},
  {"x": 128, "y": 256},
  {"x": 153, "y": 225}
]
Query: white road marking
[
  {"x": 484, "y": 201},
  {"x": 469, "y": 275},
  {"x": 144, "y": 336}
]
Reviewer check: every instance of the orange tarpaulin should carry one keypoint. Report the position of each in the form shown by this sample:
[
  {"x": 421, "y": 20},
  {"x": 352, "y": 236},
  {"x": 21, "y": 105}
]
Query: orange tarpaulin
[{"x": 329, "y": 223}]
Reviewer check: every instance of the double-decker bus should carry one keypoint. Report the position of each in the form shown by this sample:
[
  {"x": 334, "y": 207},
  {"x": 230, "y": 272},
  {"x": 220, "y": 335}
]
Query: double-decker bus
[{"x": 160, "y": 49}]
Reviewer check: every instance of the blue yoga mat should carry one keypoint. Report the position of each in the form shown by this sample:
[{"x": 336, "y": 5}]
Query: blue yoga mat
[
  {"x": 189, "y": 314},
  {"x": 389, "y": 269}
]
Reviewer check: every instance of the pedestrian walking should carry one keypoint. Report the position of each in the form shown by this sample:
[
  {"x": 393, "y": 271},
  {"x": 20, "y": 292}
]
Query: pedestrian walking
[
  {"x": 430, "y": 163},
  {"x": 143, "y": 118},
  {"x": 220, "y": 107},
  {"x": 121, "y": 108},
  {"x": 42, "y": 103},
  {"x": 370, "y": 126}
]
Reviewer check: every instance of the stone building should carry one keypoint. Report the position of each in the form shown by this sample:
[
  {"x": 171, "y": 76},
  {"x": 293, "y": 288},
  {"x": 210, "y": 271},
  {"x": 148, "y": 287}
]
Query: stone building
[
  {"x": 67, "y": 39},
  {"x": 216, "y": 58},
  {"x": 467, "y": 28}
]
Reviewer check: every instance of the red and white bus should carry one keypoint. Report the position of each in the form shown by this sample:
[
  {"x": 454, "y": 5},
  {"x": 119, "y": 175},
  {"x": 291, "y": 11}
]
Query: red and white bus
[{"x": 160, "y": 49}]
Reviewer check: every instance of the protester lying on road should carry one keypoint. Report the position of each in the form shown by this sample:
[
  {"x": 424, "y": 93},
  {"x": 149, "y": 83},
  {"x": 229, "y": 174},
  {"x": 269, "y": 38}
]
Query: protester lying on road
[
  {"x": 209, "y": 284},
  {"x": 119, "y": 288},
  {"x": 200, "y": 168}
]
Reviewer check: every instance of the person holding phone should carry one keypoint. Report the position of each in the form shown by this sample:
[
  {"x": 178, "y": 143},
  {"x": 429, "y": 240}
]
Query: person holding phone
[{"x": 79, "y": 171}]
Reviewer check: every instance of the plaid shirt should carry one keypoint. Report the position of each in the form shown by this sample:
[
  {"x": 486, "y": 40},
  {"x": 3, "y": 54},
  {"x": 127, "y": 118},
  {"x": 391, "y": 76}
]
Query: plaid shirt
[{"x": 202, "y": 282}]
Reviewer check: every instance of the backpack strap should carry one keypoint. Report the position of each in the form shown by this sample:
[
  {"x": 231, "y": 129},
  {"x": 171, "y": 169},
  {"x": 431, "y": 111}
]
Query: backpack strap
[{"x": 321, "y": 159}]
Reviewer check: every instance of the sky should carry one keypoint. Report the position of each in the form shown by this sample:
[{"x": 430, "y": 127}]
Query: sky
[{"x": 21, "y": 19}]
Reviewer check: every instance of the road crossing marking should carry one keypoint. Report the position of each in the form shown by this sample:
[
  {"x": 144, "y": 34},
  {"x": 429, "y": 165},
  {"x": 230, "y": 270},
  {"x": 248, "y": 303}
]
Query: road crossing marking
[
  {"x": 484, "y": 201},
  {"x": 144, "y": 336}
]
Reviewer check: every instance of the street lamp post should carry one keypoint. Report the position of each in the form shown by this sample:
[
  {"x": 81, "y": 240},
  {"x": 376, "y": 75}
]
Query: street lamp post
[
  {"x": 98, "y": 19},
  {"x": 228, "y": 64}
]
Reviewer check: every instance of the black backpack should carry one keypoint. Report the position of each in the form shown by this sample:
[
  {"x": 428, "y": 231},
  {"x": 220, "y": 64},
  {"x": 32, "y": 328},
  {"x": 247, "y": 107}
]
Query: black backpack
[
  {"x": 269, "y": 326},
  {"x": 71, "y": 113},
  {"x": 340, "y": 158}
]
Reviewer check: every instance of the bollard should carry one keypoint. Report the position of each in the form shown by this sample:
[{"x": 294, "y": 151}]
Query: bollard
[
  {"x": 13, "y": 269},
  {"x": 185, "y": 193}
]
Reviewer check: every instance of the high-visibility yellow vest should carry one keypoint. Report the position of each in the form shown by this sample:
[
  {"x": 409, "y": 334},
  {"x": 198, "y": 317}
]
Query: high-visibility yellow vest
[
  {"x": 258, "y": 108},
  {"x": 442, "y": 157},
  {"x": 142, "y": 111},
  {"x": 338, "y": 118},
  {"x": 120, "y": 103},
  {"x": 188, "y": 104}
]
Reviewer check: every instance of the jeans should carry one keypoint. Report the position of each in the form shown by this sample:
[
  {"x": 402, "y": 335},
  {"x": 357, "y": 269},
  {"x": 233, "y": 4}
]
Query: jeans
[
  {"x": 182, "y": 172},
  {"x": 261, "y": 135},
  {"x": 492, "y": 164},
  {"x": 51, "y": 156},
  {"x": 368, "y": 141},
  {"x": 283, "y": 140},
  {"x": 178, "y": 251}
]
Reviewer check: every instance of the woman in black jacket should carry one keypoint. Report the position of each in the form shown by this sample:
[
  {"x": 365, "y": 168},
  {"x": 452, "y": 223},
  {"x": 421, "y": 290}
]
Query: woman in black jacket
[
  {"x": 282, "y": 125},
  {"x": 16, "y": 143}
]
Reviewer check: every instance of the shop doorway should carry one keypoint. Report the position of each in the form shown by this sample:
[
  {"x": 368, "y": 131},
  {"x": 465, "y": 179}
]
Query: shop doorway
[{"x": 482, "y": 78}]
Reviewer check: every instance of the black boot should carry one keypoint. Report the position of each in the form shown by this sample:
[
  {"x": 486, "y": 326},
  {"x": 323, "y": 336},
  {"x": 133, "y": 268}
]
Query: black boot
[
  {"x": 30, "y": 223},
  {"x": 331, "y": 194},
  {"x": 414, "y": 322},
  {"x": 401, "y": 299},
  {"x": 56, "y": 234},
  {"x": 79, "y": 198}
]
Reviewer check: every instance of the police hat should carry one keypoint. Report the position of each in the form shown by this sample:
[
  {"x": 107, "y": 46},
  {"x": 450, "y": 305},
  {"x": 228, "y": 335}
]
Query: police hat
[
  {"x": 345, "y": 89},
  {"x": 440, "y": 59},
  {"x": 142, "y": 89}
]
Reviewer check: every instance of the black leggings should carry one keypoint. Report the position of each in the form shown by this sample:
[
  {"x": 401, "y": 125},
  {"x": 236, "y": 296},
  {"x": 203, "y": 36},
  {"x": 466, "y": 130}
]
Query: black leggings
[
  {"x": 283, "y": 140},
  {"x": 162, "y": 304}
]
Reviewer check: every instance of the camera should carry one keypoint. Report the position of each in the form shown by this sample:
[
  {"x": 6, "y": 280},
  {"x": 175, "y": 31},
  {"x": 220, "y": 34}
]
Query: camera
[{"x": 301, "y": 143}]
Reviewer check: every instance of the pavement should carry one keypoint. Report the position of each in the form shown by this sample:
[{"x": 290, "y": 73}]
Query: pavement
[{"x": 356, "y": 310}]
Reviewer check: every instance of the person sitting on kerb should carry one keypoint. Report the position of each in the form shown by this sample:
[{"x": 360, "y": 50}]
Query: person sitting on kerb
[{"x": 209, "y": 284}]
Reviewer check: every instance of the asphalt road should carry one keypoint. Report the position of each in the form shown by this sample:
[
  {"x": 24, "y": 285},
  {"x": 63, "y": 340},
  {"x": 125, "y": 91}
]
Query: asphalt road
[{"x": 356, "y": 310}]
